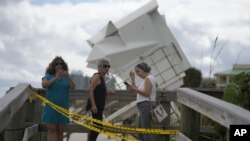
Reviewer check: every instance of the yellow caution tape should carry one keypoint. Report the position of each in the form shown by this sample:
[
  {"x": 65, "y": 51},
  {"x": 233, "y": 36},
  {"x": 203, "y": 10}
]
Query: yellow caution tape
[
  {"x": 66, "y": 113},
  {"x": 82, "y": 120}
]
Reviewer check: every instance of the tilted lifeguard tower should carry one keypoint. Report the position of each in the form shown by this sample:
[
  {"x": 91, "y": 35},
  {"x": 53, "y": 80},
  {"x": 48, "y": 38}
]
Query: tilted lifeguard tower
[{"x": 141, "y": 36}]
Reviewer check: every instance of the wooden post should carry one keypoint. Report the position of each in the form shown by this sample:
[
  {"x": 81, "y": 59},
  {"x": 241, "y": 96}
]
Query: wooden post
[
  {"x": 2, "y": 136},
  {"x": 15, "y": 129},
  {"x": 30, "y": 112},
  {"x": 228, "y": 135},
  {"x": 33, "y": 112},
  {"x": 190, "y": 123},
  {"x": 166, "y": 122},
  {"x": 43, "y": 136},
  {"x": 36, "y": 108}
]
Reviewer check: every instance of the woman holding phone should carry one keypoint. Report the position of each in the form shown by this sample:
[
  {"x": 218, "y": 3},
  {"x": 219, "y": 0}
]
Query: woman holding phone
[
  {"x": 146, "y": 94},
  {"x": 57, "y": 81}
]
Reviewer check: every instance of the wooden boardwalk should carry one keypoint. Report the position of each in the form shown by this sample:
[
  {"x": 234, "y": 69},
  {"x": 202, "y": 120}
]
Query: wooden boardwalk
[{"x": 20, "y": 119}]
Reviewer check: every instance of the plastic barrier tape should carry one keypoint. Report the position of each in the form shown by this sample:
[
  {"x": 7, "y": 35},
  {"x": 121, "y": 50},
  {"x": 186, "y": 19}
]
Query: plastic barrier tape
[{"x": 83, "y": 120}]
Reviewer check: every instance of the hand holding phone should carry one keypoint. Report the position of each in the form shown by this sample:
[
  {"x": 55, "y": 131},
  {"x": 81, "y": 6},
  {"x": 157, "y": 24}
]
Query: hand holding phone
[
  {"x": 64, "y": 67},
  {"x": 126, "y": 83}
]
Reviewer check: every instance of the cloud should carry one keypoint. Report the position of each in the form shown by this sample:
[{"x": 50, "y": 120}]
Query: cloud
[
  {"x": 7, "y": 2},
  {"x": 196, "y": 23},
  {"x": 33, "y": 33},
  {"x": 2, "y": 46}
]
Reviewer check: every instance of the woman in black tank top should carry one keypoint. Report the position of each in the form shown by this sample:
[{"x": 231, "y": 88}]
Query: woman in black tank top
[
  {"x": 97, "y": 92},
  {"x": 99, "y": 95}
]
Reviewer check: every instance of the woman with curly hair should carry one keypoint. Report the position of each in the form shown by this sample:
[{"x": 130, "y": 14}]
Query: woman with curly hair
[{"x": 57, "y": 81}]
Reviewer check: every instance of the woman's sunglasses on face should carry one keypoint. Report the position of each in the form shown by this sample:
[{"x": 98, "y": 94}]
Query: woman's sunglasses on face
[
  {"x": 105, "y": 66},
  {"x": 58, "y": 64},
  {"x": 137, "y": 71}
]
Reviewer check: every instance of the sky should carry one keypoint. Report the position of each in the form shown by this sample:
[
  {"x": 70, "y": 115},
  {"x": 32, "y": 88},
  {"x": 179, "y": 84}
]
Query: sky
[{"x": 33, "y": 32}]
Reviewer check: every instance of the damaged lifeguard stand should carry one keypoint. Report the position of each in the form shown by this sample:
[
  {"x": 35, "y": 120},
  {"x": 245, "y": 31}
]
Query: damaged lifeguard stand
[{"x": 142, "y": 36}]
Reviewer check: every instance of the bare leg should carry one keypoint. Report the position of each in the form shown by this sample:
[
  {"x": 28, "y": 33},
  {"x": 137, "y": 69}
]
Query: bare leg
[
  {"x": 52, "y": 132},
  {"x": 60, "y": 132}
]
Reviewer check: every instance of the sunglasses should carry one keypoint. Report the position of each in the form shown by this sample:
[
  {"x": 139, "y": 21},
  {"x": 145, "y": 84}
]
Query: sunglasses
[
  {"x": 59, "y": 64},
  {"x": 137, "y": 71},
  {"x": 105, "y": 66}
]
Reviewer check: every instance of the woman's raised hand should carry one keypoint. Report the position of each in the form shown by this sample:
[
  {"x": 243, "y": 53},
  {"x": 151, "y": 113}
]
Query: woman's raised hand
[{"x": 132, "y": 75}]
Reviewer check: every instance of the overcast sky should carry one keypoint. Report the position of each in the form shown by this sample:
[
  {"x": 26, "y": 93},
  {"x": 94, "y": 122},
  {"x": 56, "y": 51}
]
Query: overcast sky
[{"x": 33, "y": 32}]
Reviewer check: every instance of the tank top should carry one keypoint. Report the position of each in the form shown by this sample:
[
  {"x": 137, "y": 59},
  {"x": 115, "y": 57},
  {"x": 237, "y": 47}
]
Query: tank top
[
  {"x": 99, "y": 95},
  {"x": 152, "y": 95}
]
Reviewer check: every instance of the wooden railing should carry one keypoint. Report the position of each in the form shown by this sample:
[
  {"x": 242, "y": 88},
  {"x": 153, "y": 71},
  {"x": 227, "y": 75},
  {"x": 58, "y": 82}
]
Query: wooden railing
[
  {"x": 10, "y": 104},
  {"x": 195, "y": 104},
  {"x": 20, "y": 119}
]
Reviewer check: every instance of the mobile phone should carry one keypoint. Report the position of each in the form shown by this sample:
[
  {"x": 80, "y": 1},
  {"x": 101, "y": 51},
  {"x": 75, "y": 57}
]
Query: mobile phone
[
  {"x": 64, "y": 67},
  {"x": 126, "y": 83}
]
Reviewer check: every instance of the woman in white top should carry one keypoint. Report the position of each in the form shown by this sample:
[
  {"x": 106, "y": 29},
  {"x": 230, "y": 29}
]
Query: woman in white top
[{"x": 146, "y": 93}]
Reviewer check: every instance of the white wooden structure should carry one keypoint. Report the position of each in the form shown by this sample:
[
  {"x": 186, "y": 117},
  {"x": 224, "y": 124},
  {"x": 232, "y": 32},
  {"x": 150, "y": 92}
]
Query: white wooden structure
[{"x": 142, "y": 36}]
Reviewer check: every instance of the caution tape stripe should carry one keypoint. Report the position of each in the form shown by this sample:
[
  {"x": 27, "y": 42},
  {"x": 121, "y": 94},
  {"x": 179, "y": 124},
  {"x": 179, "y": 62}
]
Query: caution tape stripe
[{"x": 82, "y": 119}]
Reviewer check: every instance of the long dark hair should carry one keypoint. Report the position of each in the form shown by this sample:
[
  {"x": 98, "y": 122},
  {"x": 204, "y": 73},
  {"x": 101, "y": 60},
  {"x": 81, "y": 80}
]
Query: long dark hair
[{"x": 51, "y": 68}]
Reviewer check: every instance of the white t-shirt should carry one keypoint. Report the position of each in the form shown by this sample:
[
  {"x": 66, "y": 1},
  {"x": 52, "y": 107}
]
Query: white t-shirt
[{"x": 152, "y": 95}]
